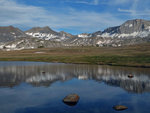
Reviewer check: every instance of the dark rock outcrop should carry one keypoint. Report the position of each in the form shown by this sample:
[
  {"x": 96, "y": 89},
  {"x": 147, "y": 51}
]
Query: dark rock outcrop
[
  {"x": 120, "y": 107},
  {"x": 71, "y": 99}
]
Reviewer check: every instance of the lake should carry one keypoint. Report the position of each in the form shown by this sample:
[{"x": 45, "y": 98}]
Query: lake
[{"x": 38, "y": 87}]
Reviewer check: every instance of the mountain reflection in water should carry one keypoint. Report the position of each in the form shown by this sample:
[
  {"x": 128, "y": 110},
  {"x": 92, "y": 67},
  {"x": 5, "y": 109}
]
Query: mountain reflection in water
[{"x": 12, "y": 75}]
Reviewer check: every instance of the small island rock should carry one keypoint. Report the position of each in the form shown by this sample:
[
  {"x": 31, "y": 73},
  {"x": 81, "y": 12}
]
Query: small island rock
[
  {"x": 71, "y": 99},
  {"x": 120, "y": 107}
]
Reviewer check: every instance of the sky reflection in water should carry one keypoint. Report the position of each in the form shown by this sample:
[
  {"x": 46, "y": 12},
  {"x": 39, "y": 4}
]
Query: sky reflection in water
[{"x": 24, "y": 88}]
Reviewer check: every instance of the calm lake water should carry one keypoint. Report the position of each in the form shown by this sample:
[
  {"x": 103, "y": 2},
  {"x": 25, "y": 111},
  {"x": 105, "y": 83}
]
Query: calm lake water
[{"x": 24, "y": 88}]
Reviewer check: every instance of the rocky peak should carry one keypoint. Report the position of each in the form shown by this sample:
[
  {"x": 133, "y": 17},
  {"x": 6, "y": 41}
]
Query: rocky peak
[
  {"x": 98, "y": 33},
  {"x": 45, "y": 29},
  {"x": 62, "y": 33},
  {"x": 111, "y": 30},
  {"x": 10, "y": 33},
  {"x": 8, "y": 29},
  {"x": 136, "y": 25},
  {"x": 130, "y": 26}
]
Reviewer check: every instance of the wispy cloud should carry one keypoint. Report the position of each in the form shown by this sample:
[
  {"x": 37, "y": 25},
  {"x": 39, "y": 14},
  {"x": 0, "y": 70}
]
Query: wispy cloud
[
  {"x": 138, "y": 9},
  {"x": 91, "y": 2},
  {"x": 96, "y": 2},
  {"x": 134, "y": 7},
  {"x": 114, "y": 2},
  {"x": 118, "y": 2},
  {"x": 135, "y": 12},
  {"x": 126, "y": 10},
  {"x": 12, "y": 13}
]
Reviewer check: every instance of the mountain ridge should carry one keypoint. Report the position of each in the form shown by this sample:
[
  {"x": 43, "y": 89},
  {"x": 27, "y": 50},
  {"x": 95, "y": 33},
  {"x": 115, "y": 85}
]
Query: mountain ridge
[
  {"x": 10, "y": 33},
  {"x": 129, "y": 33}
]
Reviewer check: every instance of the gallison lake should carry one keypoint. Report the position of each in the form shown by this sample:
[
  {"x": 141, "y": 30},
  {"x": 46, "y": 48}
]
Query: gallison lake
[{"x": 39, "y": 87}]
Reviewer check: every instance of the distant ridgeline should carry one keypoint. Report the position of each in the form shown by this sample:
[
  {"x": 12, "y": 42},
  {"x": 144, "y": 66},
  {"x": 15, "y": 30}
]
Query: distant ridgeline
[{"x": 131, "y": 32}]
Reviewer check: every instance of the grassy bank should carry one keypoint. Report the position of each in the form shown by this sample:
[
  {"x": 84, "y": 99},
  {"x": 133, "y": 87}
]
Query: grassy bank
[{"x": 137, "y": 55}]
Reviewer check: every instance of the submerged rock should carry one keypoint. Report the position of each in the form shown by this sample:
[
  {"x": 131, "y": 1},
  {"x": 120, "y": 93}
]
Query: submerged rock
[
  {"x": 130, "y": 76},
  {"x": 71, "y": 99},
  {"x": 120, "y": 107},
  {"x": 43, "y": 72}
]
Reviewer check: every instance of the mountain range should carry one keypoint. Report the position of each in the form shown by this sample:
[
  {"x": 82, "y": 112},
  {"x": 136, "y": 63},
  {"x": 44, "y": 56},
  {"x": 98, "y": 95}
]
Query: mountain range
[{"x": 131, "y": 32}]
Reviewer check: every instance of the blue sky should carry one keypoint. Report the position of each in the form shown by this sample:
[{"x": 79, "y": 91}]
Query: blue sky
[{"x": 73, "y": 16}]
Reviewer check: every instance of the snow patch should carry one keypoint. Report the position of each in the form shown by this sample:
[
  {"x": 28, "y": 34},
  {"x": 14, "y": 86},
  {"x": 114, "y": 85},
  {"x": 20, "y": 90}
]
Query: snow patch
[
  {"x": 20, "y": 42},
  {"x": 11, "y": 46},
  {"x": 46, "y": 36},
  {"x": 12, "y": 33},
  {"x": 148, "y": 28},
  {"x": 130, "y": 25},
  {"x": 134, "y": 34},
  {"x": 2, "y": 46},
  {"x": 84, "y": 36}
]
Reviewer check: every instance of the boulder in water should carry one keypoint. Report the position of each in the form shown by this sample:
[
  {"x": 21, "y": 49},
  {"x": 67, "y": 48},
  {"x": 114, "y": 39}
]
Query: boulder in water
[
  {"x": 120, "y": 107},
  {"x": 71, "y": 99}
]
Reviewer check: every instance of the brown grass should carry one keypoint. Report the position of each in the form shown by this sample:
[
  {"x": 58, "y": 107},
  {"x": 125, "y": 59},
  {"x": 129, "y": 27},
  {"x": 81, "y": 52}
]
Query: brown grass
[{"x": 136, "y": 55}]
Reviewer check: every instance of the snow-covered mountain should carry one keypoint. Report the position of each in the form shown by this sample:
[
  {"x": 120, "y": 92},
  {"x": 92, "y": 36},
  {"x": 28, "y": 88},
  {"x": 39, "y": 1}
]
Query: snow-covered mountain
[
  {"x": 12, "y": 38},
  {"x": 30, "y": 43},
  {"x": 10, "y": 34},
  {"x": 131, "y": 28},
  {"x": 47, "y": 33},
  {"x": 129, "y": 33}
]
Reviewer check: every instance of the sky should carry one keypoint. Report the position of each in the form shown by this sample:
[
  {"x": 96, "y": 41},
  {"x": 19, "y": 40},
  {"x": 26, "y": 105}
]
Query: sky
[{"x": 73, "y": 16}]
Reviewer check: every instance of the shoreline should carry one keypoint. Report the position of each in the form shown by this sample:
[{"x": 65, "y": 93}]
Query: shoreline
[
  {"x": 135, "y": 66},
  {"x": 127, "y": 56}
]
